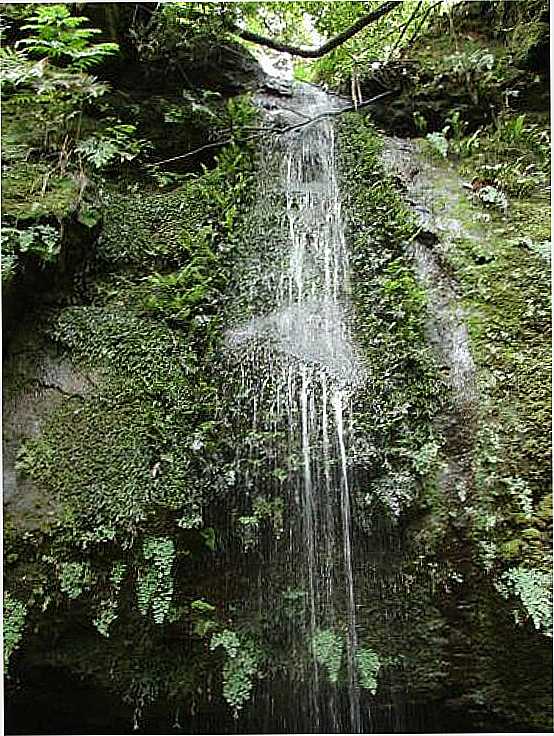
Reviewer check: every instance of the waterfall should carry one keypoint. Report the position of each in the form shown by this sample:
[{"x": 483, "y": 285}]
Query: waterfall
[{"x": 298, "y": 371}]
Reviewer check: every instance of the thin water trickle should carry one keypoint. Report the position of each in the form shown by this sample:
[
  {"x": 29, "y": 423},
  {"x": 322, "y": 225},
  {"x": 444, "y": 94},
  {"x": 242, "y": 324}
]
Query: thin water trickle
[{"x": 299, "y": 363}]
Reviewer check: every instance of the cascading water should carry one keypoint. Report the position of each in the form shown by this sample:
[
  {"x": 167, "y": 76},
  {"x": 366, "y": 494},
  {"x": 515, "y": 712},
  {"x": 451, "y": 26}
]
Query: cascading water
[{"x": 297, "y": 373}]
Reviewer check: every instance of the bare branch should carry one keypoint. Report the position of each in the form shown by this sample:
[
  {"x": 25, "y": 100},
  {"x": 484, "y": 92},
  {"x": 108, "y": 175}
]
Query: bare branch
[
  {"x": 424, "y": 17},
  {"x": 334, "y": 113},
  {"x": 405, "y": 28},
  {"x": 259, "y": 132},
  {"x": 333, "y": 43}
]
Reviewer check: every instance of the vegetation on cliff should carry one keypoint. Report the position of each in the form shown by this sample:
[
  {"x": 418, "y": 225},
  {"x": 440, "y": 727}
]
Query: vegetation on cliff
[{"x": 130, "y": 169}]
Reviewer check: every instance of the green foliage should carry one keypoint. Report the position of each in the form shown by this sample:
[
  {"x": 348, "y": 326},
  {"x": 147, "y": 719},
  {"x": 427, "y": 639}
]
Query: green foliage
[
  {"x": 227, "y": 639},
  {"x": 41, "y": 240},
  {"x": 48, "y": 99},
  {"x": 513, "y": 152},
  {"x": 74, "y": 578},
  {"x": 534, "y": 589},
  {"x": 15, "y": 613},
  {"x": 202, "y": 617},
  {"x": 49, "y": 95},
  {"x": 115, "y": 144},
  {"x": 262, "y": 509},
  {"x": 58, "y": 35},
  {"x": 368, "y": 669},
  {"x": 107, "y": 610},
  {"x": 181, "y": 32},
  {"x": 379, "y": 41},
  {"x": 155, "y": 584},
  {"x": 390, "y": 315},
  {"x": 241, "y": 666},
  {"x": 177, "y": 294},
  {"x": 328, "y": 649},
  {"x": 438, "y": 143},
  {"x": 106, "y": 615},
  {"x": 492, "y": 196}
]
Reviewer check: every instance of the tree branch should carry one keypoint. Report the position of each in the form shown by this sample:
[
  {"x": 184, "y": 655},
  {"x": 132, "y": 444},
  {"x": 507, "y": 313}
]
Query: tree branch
[
  {"x": 316, "y": 53},
  {"x": 423, "y": 18},
  {"x": 405, "y": 28},
  {"x": 258, "y": 132}
]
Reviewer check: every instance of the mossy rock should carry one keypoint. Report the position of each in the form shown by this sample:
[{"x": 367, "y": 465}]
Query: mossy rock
[{"x": 31, "y": 192}]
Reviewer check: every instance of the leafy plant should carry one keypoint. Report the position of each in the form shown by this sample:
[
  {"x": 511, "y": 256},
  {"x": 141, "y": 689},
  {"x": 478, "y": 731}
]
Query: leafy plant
[
  {"x": 439, "y": 143},
  {"x": 202, "y": 616},
  {"x": 425, "y": 459},
  {"x": 328, "y": 647},
  {"x": 155, "y": 583},
  {"x": 53, "y": 91},
  {"x": 368, "y": 669},
  {"x": 534, "y": 589},
  {"x": 262, "y": 508},
  {"x": 240, "y": 667},
  {"x": 192, "y": 287},
  {"x": 115, "y": 144},
  {"x": 13, "y": 623},
  {"x": 60, "y": 36},
  {"x": 74, "y": 578},
  {"x": 107, "y": 611},
  {"x": 43, "y": 241},
  {"x": 420, "y": 122},
  {"x": 51, "y": 98},
  {"x": 106, "y": 615},
  {"x": 490, "y": 195}
]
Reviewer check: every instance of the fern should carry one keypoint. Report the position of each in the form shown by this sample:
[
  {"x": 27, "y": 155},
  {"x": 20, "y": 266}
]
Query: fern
[
  {"x": 241, "y": 666},
  {"x": 107, "y": 611},
  {"x": 327, "y": 647},
  {"x": 74, "y": 578},
  {"x": 14, "y": 621},
  {"x": 59, "y": 36},
  {"x": 368, "y": 669},
  {"x": 155, "y": 584},
  {"x": 116, "y": 144},
  {"x": 534, "y": 589}
]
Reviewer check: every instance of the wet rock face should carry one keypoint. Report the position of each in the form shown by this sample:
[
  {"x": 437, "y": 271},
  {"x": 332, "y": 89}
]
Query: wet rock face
[
  {"x": 37, "y": 382},
  {"x": 482, "y": 633}
]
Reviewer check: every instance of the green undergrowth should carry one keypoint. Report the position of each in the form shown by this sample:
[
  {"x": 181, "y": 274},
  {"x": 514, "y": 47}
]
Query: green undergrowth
[
  {"x": 500, "y": 260},
  {"x": 403, "y": 385},
  {"x": 505, "y": 280},
  {"x": 133, "y": 464},
  {"x": 511, "y": 155}
]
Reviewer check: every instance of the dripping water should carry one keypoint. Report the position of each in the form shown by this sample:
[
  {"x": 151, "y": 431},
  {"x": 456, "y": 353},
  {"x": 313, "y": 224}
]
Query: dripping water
[{"x": 299, "y": 365}]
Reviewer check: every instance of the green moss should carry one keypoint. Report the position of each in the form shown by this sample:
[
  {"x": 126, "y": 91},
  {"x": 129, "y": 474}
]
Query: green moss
[
  {"x": 138, "y": 458},
  {"x": 151, "y": 227},
  {"x": 507, "y": 297},
  {"x": 390, "y": 317},
  {"x": 32, "y": 191}
]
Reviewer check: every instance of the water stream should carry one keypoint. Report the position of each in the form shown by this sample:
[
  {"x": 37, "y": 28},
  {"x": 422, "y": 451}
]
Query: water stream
[{"x": 299, "y": 370}]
